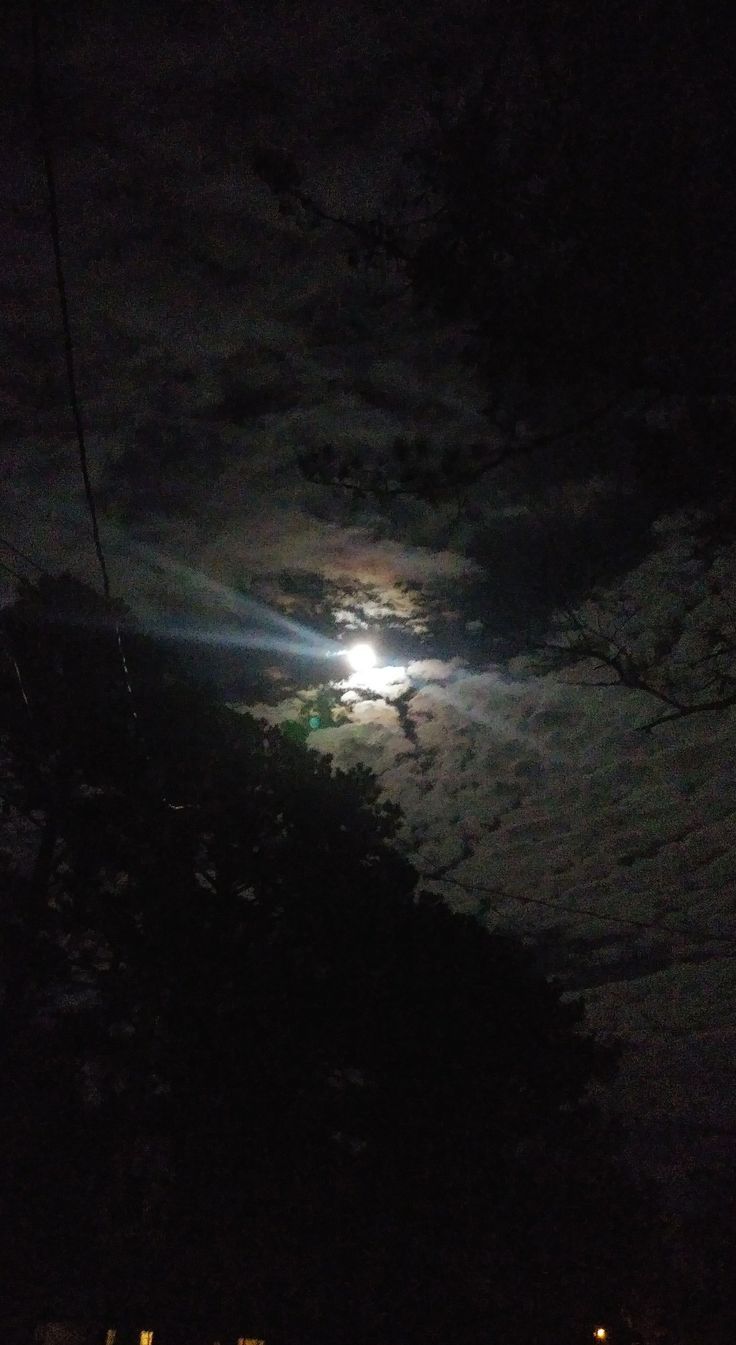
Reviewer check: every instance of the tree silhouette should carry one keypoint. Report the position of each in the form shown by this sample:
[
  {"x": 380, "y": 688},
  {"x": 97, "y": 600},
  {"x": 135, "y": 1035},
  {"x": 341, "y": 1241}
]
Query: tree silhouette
[{"x": 252, "y": 1079}]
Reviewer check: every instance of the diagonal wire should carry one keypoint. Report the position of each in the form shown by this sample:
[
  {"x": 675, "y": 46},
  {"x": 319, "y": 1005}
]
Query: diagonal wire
[
  {"x": 53, "y": 208},
  {"x": 20, "y": 554},
  {"x": 587, "y": 911}
]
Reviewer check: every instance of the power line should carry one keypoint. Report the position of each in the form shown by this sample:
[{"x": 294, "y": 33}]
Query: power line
[
  {"x": 20, "y": 555},
  {"x": 502, "y": 895},
  {"x": 48, "y": 162},
  {"x": 53, "y": 209}
]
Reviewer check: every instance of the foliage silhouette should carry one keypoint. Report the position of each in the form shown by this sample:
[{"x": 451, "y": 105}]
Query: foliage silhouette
[{"x": 252, "y": 1079}]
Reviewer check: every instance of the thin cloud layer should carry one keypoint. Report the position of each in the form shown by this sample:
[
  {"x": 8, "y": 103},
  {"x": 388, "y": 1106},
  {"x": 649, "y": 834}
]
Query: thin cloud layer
[{"x": 542, "y": 808}]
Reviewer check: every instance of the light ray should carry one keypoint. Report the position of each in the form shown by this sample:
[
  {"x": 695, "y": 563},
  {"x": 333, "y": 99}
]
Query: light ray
[
  {"x": 239, "y": 604},
  {"x": 238, "y": 639}
]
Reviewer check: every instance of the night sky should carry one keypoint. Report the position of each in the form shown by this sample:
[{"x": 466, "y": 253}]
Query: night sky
[{"x": 219, "y": 336}]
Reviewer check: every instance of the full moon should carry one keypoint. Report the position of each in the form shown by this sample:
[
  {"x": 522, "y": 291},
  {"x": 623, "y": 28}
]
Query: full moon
[{"x": 362, "y": 657}]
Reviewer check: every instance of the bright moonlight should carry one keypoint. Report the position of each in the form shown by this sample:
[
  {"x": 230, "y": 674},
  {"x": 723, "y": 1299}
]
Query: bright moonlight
[{"x": 362, "y": 657}]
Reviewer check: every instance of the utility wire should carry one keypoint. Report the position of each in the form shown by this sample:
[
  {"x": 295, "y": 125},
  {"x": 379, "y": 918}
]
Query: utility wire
[
  {"x": 20, "y": 555},
  {"x": 53, "y": 208},
  {"x": 502, "y": 895}
]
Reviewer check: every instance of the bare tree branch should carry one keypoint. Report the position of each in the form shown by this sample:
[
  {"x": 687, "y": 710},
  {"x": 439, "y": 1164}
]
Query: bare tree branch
[{"x": 325, "y": 466}]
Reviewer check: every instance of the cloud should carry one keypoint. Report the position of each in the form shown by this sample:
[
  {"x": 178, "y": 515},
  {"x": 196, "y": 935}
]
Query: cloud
[{"x": 532, "y": 800}]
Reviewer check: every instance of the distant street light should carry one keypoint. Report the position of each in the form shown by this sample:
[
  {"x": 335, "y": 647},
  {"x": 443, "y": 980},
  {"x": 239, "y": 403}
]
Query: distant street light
[{"x": 600, "y": 1333}]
